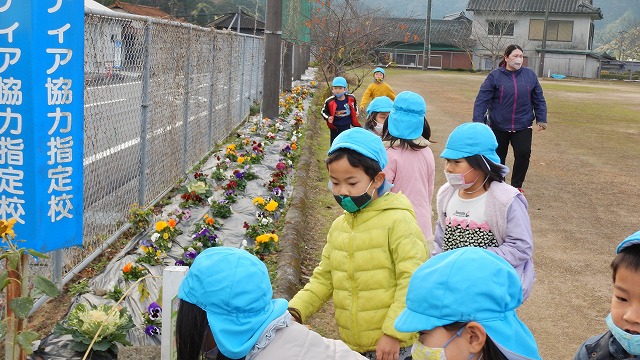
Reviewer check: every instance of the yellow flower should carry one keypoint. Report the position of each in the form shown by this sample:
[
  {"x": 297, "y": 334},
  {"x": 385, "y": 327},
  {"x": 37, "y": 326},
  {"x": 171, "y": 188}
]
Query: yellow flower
[
  {"x": 144, "y": 248},
  {"x": 258, "y": 201},
  {"x": 240, "y": 159},
  {"x": 271, "y": 206},
  {"x": 165, "y": 236},
  {"x": 262, "y": 238},
  {"x": 161, "y": 225},
  {"x": 273, "y": 237}
]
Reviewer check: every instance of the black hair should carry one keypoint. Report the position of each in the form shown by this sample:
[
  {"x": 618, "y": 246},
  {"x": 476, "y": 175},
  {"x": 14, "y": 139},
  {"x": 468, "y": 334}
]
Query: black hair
[
  {"x": 508, "y": 52},
  {"x": 493, "y": 173},
  {"x": 628, "y": 258},
  {"x": 192, "y": 333},
  {"x": 407, "y": 144},
  {"x": 490, "y": 350},
  {"x": 357, "y": 160},
  {"x": 191, "y": 328}
]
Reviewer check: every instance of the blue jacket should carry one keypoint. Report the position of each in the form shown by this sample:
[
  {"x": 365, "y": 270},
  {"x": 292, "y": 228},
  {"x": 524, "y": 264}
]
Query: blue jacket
[
  {"x": 514, "y": 99},
  {"x": 602, "y": 347}
]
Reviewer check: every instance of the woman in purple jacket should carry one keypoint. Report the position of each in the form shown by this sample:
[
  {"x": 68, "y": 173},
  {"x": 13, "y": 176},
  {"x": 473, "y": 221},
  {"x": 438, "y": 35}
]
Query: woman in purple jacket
[{"x": 512, "y": 97}]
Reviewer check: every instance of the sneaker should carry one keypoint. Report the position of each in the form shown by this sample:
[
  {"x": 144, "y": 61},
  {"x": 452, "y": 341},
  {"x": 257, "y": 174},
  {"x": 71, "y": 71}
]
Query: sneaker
[{"x": 521, "y": 191}]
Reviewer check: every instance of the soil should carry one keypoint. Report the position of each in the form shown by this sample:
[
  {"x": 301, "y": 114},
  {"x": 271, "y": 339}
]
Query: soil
[{"x": 582, "y": 193}]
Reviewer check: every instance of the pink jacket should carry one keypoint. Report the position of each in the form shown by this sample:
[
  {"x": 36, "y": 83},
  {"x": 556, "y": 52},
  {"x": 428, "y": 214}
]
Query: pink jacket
[{"x": 412, "y": 173}]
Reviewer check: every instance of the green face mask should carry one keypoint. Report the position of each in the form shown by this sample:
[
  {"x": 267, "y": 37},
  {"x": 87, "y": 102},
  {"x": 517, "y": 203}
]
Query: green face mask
[{"x": 354, "y": 203}]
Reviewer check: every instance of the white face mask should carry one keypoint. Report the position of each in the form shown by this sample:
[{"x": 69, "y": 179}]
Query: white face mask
[
  {"x": 457, "y": 180},
  {"x": 421, "y": 352},
  {"x": 378, "y": 127},
  {"x": 629, "y": 342},
  {"x": 515, "y": 64}
]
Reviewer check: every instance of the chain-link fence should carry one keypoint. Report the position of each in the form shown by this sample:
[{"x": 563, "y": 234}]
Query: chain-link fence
[{"x": 158, "y": 96}]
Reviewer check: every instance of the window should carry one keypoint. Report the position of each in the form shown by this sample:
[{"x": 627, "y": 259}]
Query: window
[
  {"x": 500, "y": 28},
  {"x": 557, "y": 30}
]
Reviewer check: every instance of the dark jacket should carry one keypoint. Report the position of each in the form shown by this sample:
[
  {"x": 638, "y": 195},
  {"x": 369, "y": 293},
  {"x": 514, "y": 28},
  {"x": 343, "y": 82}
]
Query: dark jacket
[
  {"x": 329, "y": 109},
  {"x": 514, "y": 99},
  {"x": 602, "y": 347}
]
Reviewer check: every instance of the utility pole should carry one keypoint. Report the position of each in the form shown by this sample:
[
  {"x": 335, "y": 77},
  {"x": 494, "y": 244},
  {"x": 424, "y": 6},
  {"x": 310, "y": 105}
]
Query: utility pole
[
  {"x": 426, "y": 47},
  {"x": 272, "y": 39},
  {"x": 544, "y": 39}
]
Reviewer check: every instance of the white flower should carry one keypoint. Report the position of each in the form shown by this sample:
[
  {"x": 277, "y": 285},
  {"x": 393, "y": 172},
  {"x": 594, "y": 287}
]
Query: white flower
[
  {"x": 244, "y": 243},
  {"x": 294, "y": 138},
  {"x": 264, "y": 221},
  {"x": 211, "y": 200},
  {"x": 155, "y": 237}
]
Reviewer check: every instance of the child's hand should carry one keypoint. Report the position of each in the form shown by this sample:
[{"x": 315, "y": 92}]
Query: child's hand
[
  {"x": 330, "y": 119},
  {"x": 388, "y": 348}
]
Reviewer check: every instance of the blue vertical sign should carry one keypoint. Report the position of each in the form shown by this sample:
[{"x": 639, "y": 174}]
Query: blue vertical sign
[{"x": 41, "y": 120}]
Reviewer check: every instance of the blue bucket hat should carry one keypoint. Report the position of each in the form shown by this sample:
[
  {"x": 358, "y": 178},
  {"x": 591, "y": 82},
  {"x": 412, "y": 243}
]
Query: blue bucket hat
[
  {"x": 378, "y": 69},
  {"x": 234, "y": 289},
  {"x": 363, "y": 141},
  {"x": 406, "y": 120},
  {"x": 469, "y": 284},
  {"x": 339, "y": 81},
  {"x": 380, "y": 104},
  {"x": 472, "y": 138},
  {"x": 633, "y": 239}
]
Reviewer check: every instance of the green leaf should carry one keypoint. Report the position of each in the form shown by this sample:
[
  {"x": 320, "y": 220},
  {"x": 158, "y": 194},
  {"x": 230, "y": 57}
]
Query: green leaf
[
  {"x": 4, "y": 280},
  {"x": 13, "y": 259},
  {"x": 144, "y": 292},
  {"x": 101, "y": 345},
  {"x": 22, "y": 306},
  {"x": 25, "y": 339},
  {"x": 37, "y": 254},
  {"x": 3, "y": 328},
  {"x": 46, "y": 286}
]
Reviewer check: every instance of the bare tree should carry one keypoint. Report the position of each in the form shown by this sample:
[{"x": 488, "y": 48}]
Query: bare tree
[{"x": 344, "y": 36}]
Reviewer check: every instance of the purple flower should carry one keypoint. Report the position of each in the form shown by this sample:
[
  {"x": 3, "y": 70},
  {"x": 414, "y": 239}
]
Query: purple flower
[
  {"x": 154, "y": 310},
  {"x": 203, "y": 232},
  {"x": 146, "y": 243},
  {"x": 239, "y": 175},
  {"x": 229, "y": 193},
  {"x": 281, "y": 166},
  {"x": 152, "y": 330},
  {"x": 277, "y": 192},
  {"x": 186, "y": 214},
  {"x": 180, "y": 263},
  {"x": 190, "y": 254}
]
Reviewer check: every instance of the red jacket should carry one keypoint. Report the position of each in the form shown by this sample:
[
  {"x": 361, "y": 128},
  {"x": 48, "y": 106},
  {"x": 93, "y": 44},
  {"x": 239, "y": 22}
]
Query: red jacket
[{"x": 330, "y": 105}]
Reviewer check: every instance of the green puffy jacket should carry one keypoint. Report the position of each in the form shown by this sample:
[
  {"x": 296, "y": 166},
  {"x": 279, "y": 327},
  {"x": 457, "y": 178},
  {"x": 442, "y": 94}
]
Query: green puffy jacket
[{"x": 366, "y": 265}]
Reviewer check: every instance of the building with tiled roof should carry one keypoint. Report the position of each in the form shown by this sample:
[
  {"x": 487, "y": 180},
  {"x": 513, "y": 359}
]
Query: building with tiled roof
[{"x": 569, "y": 36}]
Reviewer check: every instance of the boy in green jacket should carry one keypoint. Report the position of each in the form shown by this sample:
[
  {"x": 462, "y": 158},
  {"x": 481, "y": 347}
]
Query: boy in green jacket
[{"x": 371, "y": 251}]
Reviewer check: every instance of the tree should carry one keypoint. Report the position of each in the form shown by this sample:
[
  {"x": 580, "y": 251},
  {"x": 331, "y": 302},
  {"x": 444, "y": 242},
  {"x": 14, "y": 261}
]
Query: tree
[{"x": 344, "y": 36}]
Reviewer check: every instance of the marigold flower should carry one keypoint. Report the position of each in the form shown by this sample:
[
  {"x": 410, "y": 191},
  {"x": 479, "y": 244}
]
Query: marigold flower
[
  {"x": 172, "y": 223},
  {"x": 127, "y": 267},
  {"x": 294, "y": 146},
  {"x": 209, "y": 221},
  {"x": 262, "y": 238},
  {"x": 273, "y": 237}
]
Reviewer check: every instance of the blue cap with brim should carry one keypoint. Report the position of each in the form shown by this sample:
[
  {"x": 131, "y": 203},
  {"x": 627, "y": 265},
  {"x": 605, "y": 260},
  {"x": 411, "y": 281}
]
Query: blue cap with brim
[
  {"x": 406, "y": 120},
  {"x": 380, "y": 104},
  {"x": 469, "y": 284},
  {"x": 633, "y": 239},
  {"x": 233, "y": 288},
  {"x": 471, "y": 139},
  {"x": 363, "y": 141}
]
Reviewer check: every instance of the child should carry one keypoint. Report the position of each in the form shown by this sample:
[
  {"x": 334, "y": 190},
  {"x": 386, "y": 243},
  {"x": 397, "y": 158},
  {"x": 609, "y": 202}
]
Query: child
[
  {"x": 377, "y": 88},
  {"x": 463, "y": 304},
  {"x": 340, "y": 111},
  {"x": 477, "y": 208},
  {"x": 622, "y": 341},
  {"x": 411, "y": 168},
  {"x": 227, "y": 311},
  {"x": 371, "y": 251},
  {"x": 378, "y": 112}
]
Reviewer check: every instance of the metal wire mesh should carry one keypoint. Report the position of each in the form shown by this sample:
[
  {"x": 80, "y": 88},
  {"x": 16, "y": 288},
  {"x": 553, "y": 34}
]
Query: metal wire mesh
[{"x": 158, "y": 96}]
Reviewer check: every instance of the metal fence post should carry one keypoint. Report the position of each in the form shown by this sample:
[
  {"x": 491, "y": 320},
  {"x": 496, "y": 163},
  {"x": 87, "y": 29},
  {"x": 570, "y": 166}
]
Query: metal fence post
[
  {"x": 241, "y": 96},
  {"x": 187, "y": 83},
  {"x": 144, "y": 118},
  {"x": 212, "y": 81},
  {"x": 56, "y": 271},
  {"x": 229, "y": 82},
  {"x": 250, "y": 92}
]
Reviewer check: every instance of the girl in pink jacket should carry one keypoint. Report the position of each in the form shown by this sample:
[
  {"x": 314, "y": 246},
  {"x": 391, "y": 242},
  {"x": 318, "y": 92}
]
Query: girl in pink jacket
[{"x": 411, "y": 166}]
